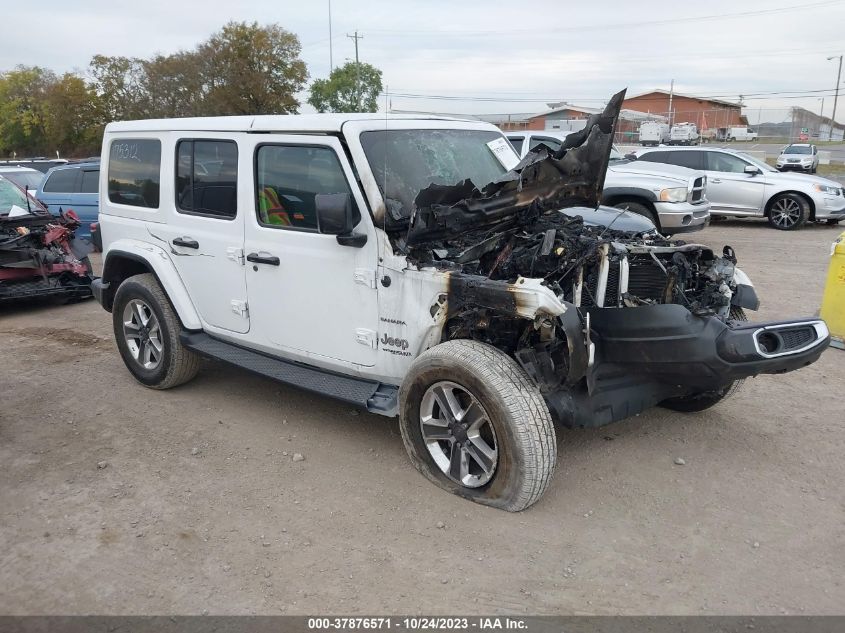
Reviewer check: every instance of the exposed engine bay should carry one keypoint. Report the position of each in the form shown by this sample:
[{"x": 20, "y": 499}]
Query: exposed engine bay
[
  {"x": 39, "y": 253},
  {"x": 621, "y": 319}
]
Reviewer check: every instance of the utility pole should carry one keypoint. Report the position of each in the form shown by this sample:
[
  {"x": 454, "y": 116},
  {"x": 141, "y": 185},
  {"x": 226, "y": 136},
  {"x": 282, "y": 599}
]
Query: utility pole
[
  {"x": 331, "y": 59},
  {"x": 671, "y": 94},
  {"x": 821, "y": 119},
  {"x": 357, "y": 37},
  {"x": 835, "y": 96}
]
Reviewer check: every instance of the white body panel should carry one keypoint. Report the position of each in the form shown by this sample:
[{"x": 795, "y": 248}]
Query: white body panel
[{"x": 358, "y": 311}]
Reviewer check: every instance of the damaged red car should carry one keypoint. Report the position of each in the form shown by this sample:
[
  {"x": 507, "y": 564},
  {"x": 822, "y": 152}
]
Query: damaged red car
[{"x": 40, "y": 255}]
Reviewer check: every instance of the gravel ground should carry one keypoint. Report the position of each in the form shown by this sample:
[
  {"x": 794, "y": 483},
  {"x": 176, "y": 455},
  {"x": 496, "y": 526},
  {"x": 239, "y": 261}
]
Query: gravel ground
[{"x": 121, "y": 500}]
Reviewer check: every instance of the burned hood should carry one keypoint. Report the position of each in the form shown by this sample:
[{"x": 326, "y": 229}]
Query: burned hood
[{"x": 542, "y": 181}]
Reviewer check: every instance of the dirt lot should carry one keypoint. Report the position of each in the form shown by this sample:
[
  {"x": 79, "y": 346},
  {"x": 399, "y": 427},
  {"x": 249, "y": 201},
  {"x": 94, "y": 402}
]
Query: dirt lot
[{"x": 200, "y": 508}]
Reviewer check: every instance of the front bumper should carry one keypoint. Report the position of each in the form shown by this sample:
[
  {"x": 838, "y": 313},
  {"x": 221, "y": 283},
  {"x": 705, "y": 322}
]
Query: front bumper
[
  {"x": 794, "y": 166},
  {"x": 829, "y": 207},
  {"x": 648, "y": 354},
  {"x": 682, "y": 217}
]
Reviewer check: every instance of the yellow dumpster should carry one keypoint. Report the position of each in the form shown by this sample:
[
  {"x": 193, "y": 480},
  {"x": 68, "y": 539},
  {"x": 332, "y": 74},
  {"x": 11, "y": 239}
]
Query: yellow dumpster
[{"x": 833, "y": 300}]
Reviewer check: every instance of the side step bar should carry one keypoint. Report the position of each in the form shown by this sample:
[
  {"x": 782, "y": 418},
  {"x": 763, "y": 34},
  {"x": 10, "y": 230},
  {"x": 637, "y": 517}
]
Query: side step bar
[{"x": 375, "y": 396}]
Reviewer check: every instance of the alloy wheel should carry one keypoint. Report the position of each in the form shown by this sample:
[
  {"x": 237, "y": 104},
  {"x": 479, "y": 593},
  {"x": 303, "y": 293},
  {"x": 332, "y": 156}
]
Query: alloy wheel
[
  {"x": 142, "y": 334},
  {"x": 458, "y": 434},
  {"x": 786, "y": 213}
]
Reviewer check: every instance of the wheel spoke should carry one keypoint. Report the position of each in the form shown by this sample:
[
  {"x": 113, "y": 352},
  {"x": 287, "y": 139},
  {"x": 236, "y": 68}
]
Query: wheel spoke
[
  {"x": 447, "y": 402},
  {"x": 138, "y": 310},
  {"x": 482, "y": 454},
  {"x": 458, "y": 465},
  {"x": 433, "y": 431}
]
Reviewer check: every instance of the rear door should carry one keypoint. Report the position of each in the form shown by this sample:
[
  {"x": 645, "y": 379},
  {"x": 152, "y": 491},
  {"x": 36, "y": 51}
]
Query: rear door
[
  {"x": 58, "y": 189},
  {"x": 204, "y": 232}
]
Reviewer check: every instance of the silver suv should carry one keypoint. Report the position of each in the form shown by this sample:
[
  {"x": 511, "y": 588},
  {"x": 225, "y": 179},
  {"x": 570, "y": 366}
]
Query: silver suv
[
  {"x": 799, "y": 156},
  {"x": 739, "y": 185}
]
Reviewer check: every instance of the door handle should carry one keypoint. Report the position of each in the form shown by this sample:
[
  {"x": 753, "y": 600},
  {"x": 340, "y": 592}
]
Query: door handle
[
  {"x": 715, "y": 180},
  {"x": 255, "y": 258},
  {"x": 185, "y": 242}
]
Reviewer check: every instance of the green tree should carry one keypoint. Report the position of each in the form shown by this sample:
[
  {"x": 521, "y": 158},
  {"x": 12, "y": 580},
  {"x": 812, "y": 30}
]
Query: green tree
[
  {"x": 22, "y": 97},
  {"x": 174, "y": 86},
  {"x": 119, "y": 84},
  {"x": 252, "y": 69},
  {"x": 353, "y": 87},
  {"x": 73, "y": 121}
]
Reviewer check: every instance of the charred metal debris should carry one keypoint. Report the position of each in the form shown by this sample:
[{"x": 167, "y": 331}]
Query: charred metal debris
[
  {"x": 511, "y": 232},
  {"x": 40, "y": 256}
]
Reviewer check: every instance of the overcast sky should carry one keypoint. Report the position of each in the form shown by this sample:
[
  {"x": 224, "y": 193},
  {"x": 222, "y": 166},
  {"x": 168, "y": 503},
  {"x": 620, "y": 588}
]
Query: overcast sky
[{"x": 507, "y": 52}]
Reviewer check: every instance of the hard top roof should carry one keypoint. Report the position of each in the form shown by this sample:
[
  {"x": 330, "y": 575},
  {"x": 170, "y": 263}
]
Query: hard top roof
[{"x": 313, "y": 123}]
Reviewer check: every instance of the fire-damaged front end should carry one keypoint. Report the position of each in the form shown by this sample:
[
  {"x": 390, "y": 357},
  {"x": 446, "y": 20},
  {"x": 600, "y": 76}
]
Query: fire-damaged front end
[
  {"x": 39, "y": 253},
  {"x": 607, "y": 322}
]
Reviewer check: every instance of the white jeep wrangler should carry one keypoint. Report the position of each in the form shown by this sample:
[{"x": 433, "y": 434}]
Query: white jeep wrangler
[{"x": 410, "y": 266}]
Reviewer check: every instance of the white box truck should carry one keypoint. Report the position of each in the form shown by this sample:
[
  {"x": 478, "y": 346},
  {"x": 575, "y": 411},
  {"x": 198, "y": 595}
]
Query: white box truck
[{"x": 653, "y": 133}]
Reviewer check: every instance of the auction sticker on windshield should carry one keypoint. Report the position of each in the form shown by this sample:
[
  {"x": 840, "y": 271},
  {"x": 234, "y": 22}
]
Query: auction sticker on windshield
[{"x": 504, "y": 153}]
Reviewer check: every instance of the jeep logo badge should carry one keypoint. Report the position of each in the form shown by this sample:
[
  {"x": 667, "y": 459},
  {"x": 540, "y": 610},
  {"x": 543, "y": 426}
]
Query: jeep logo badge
[{"x": 400, "y": 343}]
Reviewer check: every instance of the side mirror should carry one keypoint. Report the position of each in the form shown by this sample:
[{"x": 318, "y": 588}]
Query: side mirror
[
  {"x": 336, "y": 215},
  {"x": 751, "y": 170}
]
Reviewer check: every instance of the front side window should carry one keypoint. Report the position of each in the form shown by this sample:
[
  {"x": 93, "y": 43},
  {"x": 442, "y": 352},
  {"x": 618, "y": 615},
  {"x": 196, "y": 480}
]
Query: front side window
[
  {"x": 135, "y": 172},
  {"x": 552, "y": 143},
  {"x": 516, "y": 141},
  {"x": 717, "y": 161},
  {"x": 288, "y": 177},
  {"x": 206, "y": 178},
  {"x": 61, "y": 181},
  {"x": 90, "y": 181}
]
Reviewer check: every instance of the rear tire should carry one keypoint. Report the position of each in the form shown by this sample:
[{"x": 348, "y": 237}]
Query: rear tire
[
  {"x": 701, "y": 401},
  {"x": 788, "y": 212},
  {"x": 480, "y": 388},
  {"x": 146, "y": 329}
]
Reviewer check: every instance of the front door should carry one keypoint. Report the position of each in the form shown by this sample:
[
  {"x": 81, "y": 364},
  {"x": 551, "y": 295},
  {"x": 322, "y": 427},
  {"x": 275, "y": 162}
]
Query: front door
[
  {"x": 309, "y": 296},
  {"x": 729, "y": 188}
]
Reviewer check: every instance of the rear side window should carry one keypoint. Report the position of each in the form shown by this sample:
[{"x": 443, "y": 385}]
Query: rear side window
[
  {"x": 61, "y": 181},
  {"x": 288, "y": 177},
  {"x": 692, "y": 159},
  {"x": 135, "y": 172},
  {"x": 90, "y": 181},
  {"x": 206, "y": 178},
  {"x": 655, "y": 157}
]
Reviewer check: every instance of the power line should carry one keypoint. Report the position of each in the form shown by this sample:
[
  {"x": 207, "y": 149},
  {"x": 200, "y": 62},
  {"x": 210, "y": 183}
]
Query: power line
[{"x": 603, "y": 27}]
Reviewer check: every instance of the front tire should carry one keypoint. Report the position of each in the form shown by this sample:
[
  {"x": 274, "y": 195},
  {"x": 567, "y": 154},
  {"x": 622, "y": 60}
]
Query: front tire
[
  {"x": 475, "y": 424},
  {"x": 640, "y": 209},
  {"x": 146, "y": 329},
  {"x": 788, "y": 212}
]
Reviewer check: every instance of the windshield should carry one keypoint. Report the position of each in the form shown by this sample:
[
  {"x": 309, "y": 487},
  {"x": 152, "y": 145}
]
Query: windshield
[
  {"x": 615, "y": 154},
  {"x": 798, "y": 149},
  {"x": 757, "y": 162},
  {"x": 404, "y": 162},
  {"x": 11, "y": 195},
  {"x": 25, "y": 179}
]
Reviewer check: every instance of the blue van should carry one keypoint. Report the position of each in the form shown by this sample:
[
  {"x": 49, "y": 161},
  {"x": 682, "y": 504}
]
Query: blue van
[{"x": 73, "y": 186}]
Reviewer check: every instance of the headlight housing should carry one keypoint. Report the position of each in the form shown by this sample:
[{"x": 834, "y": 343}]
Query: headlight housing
[
  {"x": 831, "y": 191},
  {"x": 675, "y": 194}
]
